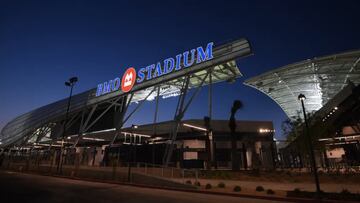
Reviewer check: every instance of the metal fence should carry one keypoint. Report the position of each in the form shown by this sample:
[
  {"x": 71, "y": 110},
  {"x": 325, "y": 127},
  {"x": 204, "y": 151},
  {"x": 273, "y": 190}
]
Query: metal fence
[{"x": 75, "y": 166}]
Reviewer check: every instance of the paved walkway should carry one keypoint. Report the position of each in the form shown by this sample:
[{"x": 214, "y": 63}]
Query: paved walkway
[{"x": 17, "y": 187}]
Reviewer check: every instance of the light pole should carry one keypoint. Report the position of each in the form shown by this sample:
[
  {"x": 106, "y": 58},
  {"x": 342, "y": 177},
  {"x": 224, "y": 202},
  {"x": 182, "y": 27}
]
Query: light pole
[
  {"x": 71, "y": 84},
  {"x": 302, "y": 97}
]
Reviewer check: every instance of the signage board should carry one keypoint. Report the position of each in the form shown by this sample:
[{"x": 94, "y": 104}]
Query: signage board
[{"x": 150, "y": 72}]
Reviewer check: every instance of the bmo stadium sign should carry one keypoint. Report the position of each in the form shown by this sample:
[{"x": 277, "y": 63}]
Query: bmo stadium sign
[{"x": 167, "y": 66}]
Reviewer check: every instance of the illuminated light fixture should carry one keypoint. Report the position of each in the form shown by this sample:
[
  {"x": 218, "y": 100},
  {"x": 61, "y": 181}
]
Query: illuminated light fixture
[
  {"x": 264, "y": 130},
  {"x": 341, "y": 143},
  {"x": 68, "y": 138},
  {"x": 175, "y": 94},
  {"x": 336, "y": 108},
  {"x": 195, "y": 127},
  {"x": 54, "y": 145},
  {"x": 301, "y": 97},
  {"x": 325, "y": 139},
  {"x": 156, "y": 138},
  {"x": 100, "y": 131},
  {"x": 62, "y": 142},
  {"x": 136, "y": 134},
  {"x": 339, "y": 138},
  {"x": 73, "y": 136},
  {"x": 93, "y": 139}
]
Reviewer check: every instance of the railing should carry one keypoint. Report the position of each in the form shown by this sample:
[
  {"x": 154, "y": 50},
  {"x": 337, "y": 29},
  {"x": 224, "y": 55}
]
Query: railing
[{"x": 138, "y": 173}]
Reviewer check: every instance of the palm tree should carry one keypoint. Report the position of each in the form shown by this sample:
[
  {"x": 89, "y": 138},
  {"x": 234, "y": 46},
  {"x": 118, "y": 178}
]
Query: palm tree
[{"x": 232, "y": 125}]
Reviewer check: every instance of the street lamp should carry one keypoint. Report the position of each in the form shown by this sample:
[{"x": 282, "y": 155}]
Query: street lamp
[
  {"x": 71, "y": 84},
  {"x": 302, "y": 98}
]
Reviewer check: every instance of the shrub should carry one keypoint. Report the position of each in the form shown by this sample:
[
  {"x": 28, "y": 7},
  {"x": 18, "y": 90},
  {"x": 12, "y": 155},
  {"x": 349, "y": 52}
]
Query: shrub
[
  {"x": 221, "y": 185},
  {"x": 197, "y": 183},
  {"x": 225, "y": 175},
  {"x": 270, "y": 192},
  {"x": 255, "y": 172},
  {"x": 237, "y": 188},
  {"x": 260, "y": 188},
  {"x": 188, "y": 182},
  {"x": 345, "y": 192},
  {"x": 297, "y": 190},
  {"x": 208, "y": 186}
]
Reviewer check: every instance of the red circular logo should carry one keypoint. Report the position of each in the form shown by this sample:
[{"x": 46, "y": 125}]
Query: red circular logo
[{"x": 128, "y": 79}]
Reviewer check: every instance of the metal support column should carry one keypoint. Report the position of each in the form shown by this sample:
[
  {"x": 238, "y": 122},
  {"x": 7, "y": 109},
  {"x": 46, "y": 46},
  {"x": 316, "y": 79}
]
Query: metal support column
[
  {"x": 122, "y": 121},
  {"x": 177, "y": 119},
  {"x": 180, "y": 111},
  {"x": 155, "y": 125},
  {"x": 210, "y": 141}
]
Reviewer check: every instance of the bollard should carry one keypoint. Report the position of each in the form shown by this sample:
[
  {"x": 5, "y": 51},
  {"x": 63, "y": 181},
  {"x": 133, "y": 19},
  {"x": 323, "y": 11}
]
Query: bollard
[
  {"x": 114, "y": 171},
  {"x": 196, "y": 176},
  {"x": 183, "y": 175}
]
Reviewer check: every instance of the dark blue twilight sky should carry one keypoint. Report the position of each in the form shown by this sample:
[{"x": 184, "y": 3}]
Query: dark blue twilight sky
[{"x": 43, "y": 43}]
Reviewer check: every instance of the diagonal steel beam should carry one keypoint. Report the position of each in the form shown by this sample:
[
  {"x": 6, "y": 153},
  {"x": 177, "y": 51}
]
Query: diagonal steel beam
[
  {"x": 139, "y": 105},
  {"x": 89, "y": 117},
  {"x": 156, "y": 110},
  {"x": 101, "y": 115},
  {"x": 122, "y": 112},
  {"x": 195, "y": 93},
  {"x": 177, "y": 119}
]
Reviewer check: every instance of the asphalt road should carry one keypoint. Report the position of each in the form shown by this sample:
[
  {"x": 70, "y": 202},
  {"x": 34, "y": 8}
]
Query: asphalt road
[{"x": 18, "y": 187}]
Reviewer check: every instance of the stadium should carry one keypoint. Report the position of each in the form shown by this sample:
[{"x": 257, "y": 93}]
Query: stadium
[{"x": 91, "y": 124}]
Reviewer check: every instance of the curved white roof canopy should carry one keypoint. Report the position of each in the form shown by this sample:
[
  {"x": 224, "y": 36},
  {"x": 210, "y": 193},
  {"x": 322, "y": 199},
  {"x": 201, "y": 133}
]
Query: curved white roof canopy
[{"x": 319, "y": 79}]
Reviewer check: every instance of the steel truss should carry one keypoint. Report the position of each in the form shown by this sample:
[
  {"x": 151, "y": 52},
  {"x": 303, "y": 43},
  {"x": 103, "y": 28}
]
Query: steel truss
[{"x": 179, "y": 114}]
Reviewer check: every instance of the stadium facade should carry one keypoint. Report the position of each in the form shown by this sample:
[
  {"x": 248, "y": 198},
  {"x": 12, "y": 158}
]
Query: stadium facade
[
  {"x": 95, "y": 129},
  {"x": 93, "y": 126}
]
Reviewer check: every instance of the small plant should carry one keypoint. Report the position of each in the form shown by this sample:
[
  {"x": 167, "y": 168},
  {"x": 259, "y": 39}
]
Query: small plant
[
  {"x": 188, "y": 182},
  {"x": 270, "y": 192},
  {"x": 208, "y": 186},
  {"x": 297, "y": 190},
  {"x": 260, "y": 188},
  {"x": 345, "y": 192},
  {"x": 237, "y": 188},
  {"x": 255, "y": 172},
  {"x": 221, "y": 185},
  {"x": 197, "y": 183}
]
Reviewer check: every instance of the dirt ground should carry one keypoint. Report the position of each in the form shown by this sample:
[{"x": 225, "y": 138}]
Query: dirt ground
[{"x": 278, "y": 181}]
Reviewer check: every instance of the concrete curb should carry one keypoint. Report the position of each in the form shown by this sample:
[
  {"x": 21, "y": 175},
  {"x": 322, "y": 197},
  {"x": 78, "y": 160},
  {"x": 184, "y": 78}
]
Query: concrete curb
[{"x": 283, "y": 199}]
